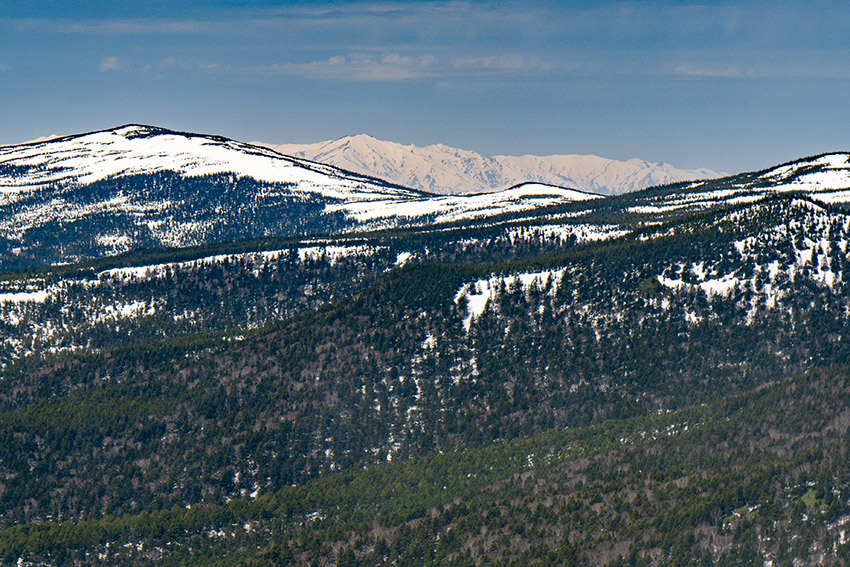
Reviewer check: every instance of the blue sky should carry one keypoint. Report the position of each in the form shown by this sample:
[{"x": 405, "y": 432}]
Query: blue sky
[{"x": 728, "y": 85}]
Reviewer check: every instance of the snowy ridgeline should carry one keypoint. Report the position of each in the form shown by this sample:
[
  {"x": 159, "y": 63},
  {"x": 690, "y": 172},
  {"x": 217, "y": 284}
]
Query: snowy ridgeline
[
  {"x": 258, "y": 260},
  {"x": 165, "y": 296},
  {"x": 136, "y": 186},
  {"x": 98, "y": 175},
  {"x": 330, "y": 254},
  {"x": 455, "y": 208},
  {"x": 316, "y": 251},
  {"x": 135, "y": 150},
  {"x": 825, "y": 179}
]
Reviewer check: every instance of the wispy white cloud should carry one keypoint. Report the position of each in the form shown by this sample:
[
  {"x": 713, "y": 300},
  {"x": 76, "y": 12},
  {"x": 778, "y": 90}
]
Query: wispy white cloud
[
  {"x": 169, "y": 64},
  {"x": 400, "y": 67},
  {"x": 110, "y": 63},
  {"x": 357, "y": 67},
  {"x": 512, "y": 63},
  {"x": 770, "y": 65},
  {"x": 5, "y": 67},
  {"x": 175, "y": 64},
  {"x": 711, "y": 71},
  {"x": 404, "y": 13},
  {"x": 432, "y": 22},
  {"x": 119, "y": 27}
]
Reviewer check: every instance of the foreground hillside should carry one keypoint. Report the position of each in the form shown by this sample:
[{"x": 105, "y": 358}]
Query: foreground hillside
[{"x": 649, "y": 379}]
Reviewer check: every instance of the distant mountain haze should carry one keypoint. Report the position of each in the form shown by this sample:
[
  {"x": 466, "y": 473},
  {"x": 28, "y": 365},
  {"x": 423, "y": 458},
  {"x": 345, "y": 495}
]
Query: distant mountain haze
[{"x": 445, "y": 170}]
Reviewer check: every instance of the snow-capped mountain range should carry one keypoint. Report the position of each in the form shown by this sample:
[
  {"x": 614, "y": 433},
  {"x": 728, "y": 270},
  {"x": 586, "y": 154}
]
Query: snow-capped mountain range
[
  {"x": 442, "y": 169},
  {"x": 139, "y": 150}
]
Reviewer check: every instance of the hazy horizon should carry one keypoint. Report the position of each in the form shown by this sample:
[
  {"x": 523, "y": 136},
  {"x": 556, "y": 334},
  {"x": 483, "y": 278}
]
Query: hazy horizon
[{"x": 730, "y": 86}]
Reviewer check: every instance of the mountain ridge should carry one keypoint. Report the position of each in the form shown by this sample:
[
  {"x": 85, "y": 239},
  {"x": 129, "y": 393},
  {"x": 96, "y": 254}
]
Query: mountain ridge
[
  {"x": 137, "y": 185},
  {"x": 439, "y": 168},
  {"x": 142, "y": 186}
]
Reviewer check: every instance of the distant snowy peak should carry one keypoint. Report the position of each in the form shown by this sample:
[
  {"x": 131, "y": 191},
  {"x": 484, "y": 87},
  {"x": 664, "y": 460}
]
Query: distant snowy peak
[
  {"x": 442, "y": 169},
  {"x": 136, "y": 150},
  {"x": 533, "y": 189}
]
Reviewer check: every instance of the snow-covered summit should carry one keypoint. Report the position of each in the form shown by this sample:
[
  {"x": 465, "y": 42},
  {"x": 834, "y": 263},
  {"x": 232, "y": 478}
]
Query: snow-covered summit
[
  {"x": 532, "y": 189},
  {"x": 136, "y": 149}
]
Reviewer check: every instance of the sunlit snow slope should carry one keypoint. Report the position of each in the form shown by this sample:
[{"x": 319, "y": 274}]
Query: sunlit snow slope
[
  {"x": 135, "y": 149},
  {"x": 449, "y": 208},
  {"x": 825, "y": 178}
]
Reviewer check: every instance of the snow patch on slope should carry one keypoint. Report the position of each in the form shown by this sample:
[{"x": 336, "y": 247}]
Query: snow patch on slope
[
  {"x": 564, "y": 232},
  {"x": 811, "y": 245},
  {"x": 24, "y": 297},
  {"x": 462, "y": 207},
  {"x": 715, "y": 286},
  {"x": 477, "y": 295}
]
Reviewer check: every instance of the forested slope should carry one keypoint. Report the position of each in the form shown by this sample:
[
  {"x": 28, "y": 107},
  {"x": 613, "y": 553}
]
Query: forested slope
[{"x": 743, "y": 480}]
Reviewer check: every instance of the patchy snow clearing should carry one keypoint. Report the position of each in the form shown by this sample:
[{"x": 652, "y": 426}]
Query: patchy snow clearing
[{"x": 479, "y": 293}]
